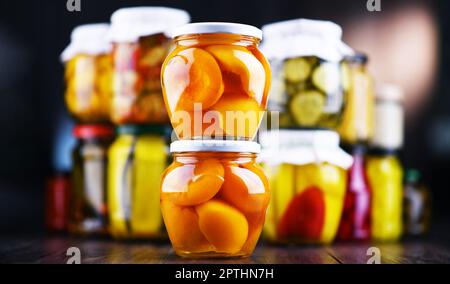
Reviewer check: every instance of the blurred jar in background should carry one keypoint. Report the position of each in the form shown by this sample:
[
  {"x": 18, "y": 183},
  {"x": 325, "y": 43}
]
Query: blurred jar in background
[
  {"x": 309, "y": 84},
  {"x": 416, "y": 205},
  {"x": 139, "y": 49},
  {"x": 307, "y": 176},
  {"x": 57, "y": 202},
  {"x": 88, "y": 74},
  {"x": 355, "y": 220},
  {"x": 88, "y": 210},
  {"x": 216, "y": 81},
  {"x": 137, "y": 160},
  {"x": 214, "y": 198},
  {"x": 384, "y": 169},
  {"x": 358, "y": 120}
]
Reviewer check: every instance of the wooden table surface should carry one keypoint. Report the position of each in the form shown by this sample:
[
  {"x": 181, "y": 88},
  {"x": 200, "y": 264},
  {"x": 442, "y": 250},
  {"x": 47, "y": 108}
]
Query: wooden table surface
[{"x": 47, "y": 249}]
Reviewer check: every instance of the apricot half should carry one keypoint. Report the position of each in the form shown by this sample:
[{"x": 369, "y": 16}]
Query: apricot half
[
  {"x": 240, "y": 61},
  {"x": 223, "y": 226},
  {"x": 191, "y": 185},
  {"x": 183, "y": 229},
  {"x": 191, "y": 76},
  {"x": 240, "y": 115},
  {"x": 246, "y": 187}
]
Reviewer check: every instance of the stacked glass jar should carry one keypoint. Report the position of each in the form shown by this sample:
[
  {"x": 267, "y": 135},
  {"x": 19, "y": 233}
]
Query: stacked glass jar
[
  {"x": 214, "y": 195},
  {"x": 138, "y": 156},
  {"x": 306, "y": 168},
  {"x": 88, "y": 78}
]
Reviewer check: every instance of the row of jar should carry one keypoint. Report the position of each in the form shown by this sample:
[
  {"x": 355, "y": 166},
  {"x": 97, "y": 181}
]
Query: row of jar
[
  {"x": 113, "y": 73},
  {"x": 214, "y": 195}
]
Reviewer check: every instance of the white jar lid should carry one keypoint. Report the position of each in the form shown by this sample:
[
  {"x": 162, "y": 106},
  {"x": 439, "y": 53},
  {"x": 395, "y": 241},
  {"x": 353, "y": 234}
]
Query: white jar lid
[
  {"x": 129, "y": 24},
  {"x": 304, "y": 37},
  {"x": 217, "y": 27},
  {"x": 302, "y": 147},
  {"x": 88, "y": 39},
  {"x": 230, "y": 146}
]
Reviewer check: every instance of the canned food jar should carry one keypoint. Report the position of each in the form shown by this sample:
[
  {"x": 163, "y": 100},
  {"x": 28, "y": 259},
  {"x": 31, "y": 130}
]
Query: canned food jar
[
  {"x": 356, "y": 214},
  {"x": 216, "y": 81},
  {"x": 139, "y": 49},
  {"x": 214, "y": 198},
  {"x": 384, "y": 169},
  {"x": 137, "y": 160},
  {"x": 88, "y": 210},
  {"x": 308, "y": 83},
  {"x": 357, "y": 124},
  {"x": 307, "y": 175},
  {"x": 88, "y": 73}
]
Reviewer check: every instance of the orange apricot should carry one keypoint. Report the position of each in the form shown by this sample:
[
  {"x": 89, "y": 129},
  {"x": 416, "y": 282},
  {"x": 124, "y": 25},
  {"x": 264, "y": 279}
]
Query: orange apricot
[
  {"x": 255, "y": 226},
  {"x": 240, "y": 115},
  {"x": 191, "y": 185},
  {"x": 223, "y": 226},
  {"x": 191, "y": 76},
  {"x": 246, "y": 188},
  {"x": 183, "y": 229},
  {"x": 240, "y": 61}
]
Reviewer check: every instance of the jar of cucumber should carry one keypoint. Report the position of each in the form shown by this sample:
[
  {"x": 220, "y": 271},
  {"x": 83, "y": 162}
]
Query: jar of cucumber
[{"x": 309, "y": 81}]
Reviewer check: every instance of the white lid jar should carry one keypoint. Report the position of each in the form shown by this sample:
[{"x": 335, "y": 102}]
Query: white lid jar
[{"x": 389, "y": 117}]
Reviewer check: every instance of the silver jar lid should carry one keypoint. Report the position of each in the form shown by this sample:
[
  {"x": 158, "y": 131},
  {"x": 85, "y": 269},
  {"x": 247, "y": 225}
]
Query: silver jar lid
[{"x": 216, "y": 27}]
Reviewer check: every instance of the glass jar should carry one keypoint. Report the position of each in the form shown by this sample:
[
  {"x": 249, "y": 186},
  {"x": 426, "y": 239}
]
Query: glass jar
[
  {"x": 88, "y": 74},
  {"x": 385, "y": 175},
  {"x": 214, "y": 198},
  {"x": 57, "y": 202},
  {"x": 308, "y": 83},
  {"x": 139, "y": 49},
  {"x": 416, "y": 205},
  {"x": 355, "y": 220},
  {"x": 307, "y": 175},
  {"x": 136, "y": 162},
  {"x": 88, "y": 210},
  {"x": 384, "y": 168},
  {"x": 358, "y": 120},
  {"x": 216, "y": 81}
]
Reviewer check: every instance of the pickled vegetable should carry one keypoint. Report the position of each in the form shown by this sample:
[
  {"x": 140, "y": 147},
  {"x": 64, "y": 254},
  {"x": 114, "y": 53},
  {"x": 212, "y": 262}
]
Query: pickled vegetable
[
  {"x": 137, "y": 89},
  {"x": 297, "y": 70},
  {"x": 307, "y": 107},
  {"x": 89, "y": 87}
]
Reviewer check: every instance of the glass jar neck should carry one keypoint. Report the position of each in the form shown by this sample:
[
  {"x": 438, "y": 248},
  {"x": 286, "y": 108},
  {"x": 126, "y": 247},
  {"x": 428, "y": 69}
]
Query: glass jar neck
[
  {"x": 192, "y": 157},
  {"x": 216, "y": 38}
]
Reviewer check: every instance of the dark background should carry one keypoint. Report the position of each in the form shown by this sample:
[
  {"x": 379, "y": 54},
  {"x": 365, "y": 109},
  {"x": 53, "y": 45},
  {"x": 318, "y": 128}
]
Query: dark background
[{"x": 35, "y": 128}]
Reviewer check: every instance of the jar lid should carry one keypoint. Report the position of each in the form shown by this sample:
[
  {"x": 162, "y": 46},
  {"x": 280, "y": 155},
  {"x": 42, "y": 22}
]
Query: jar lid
[
  {"x": 301, "y": 147},
  {"x": 389, "y": 92},
  {"x": 89, "y": 131},
  {"x": 88, "y": 39},
  {"x": 217, "y": 27},
  {"x": 304, "y": 37},
  {"x": 358, "y": 57},
  {"x": 140, "y": 129},
  {"x": 231, "y": 146},
  {"x": 129, "y": 24}
]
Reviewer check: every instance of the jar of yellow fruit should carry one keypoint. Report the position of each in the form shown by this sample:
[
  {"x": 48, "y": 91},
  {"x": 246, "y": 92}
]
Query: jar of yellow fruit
[
  {"x": 137, "y": 160},
  {"x": 88, "y": 73},
  {"x": 214, "y": 198}
]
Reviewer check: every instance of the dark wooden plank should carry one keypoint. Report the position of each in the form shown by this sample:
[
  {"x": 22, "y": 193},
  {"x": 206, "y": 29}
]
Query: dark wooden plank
[{"x": 53, "y": 250}]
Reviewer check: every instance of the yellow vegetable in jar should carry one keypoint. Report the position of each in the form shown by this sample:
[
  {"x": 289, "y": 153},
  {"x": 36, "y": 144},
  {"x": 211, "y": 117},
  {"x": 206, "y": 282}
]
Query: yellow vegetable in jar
[
  {"x": 136, "y": 164},
  {"x": 385, "y": 176}
]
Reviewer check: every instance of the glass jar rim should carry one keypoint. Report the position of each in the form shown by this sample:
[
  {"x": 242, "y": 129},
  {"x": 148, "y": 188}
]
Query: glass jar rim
[
  {"x": 215, "y": 28},
  {"x": 228, "y": 146}
]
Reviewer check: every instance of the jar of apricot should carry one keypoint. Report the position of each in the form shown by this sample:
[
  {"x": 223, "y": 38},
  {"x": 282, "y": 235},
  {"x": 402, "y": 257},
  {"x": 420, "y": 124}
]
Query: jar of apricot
[
  {"x": 216, "y": 81},
  {"x": 214, "y": 198}
]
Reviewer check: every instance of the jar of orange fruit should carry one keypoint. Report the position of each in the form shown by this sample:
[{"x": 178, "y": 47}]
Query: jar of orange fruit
[
  {"x": 88, "y": 73},
  {"x": 139, "y": 49},
  {"x": 216, "y": 81},
  {"x": 214, "y": 198}
]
